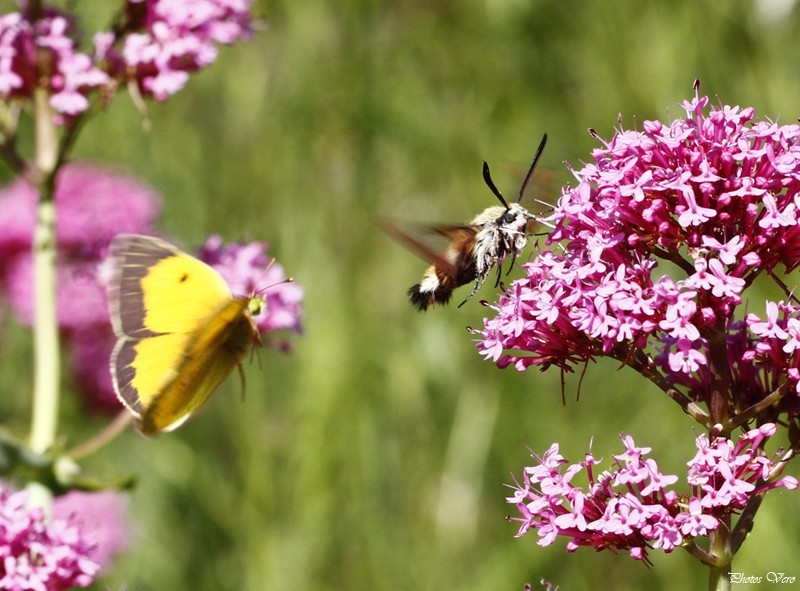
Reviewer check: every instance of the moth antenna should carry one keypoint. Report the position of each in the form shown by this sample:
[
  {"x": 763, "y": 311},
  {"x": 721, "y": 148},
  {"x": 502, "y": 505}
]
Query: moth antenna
[
  {"x": 539, "y": 151},
  {"x": 487, "y": 178}
]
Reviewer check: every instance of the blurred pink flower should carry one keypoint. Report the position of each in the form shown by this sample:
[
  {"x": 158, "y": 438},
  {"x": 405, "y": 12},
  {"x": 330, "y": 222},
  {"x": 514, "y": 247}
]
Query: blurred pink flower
[
  {"x": 42, "y": 555},
  {"x": 102, "y": 519},
  {"x": 93, "y": 206},
  {"x": 89, "y": 354},
  {"x": 158, "y": 45}
]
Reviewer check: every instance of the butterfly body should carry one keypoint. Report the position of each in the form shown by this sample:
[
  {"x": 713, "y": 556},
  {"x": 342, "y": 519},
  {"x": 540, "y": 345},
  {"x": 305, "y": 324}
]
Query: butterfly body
[
  {"x": 474, "y": 249},
  {"x": 180, "y": 331}
]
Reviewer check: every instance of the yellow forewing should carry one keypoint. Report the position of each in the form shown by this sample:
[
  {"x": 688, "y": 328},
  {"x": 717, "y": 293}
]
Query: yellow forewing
[{"x": 180, "y": 331}]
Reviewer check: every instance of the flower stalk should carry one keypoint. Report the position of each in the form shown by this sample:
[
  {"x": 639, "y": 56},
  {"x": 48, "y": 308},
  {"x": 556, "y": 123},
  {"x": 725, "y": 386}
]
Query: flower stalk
[{"x": 44, "y": 421}]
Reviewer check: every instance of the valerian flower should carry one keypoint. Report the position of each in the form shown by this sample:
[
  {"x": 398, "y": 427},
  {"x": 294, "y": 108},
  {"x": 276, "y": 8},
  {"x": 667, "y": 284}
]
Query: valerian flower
[
  {"x": 169, "y": 39},
  {"x": 39, "y": 554},
  {"x": 101, "y": 517},
  {"x": 651, "y": 254},
  {"x": 632, "y": 505},
  {"x": 44, "y": 52},
  {"x": 94, "y": 204},
  {"x": 155, "y": 45}
]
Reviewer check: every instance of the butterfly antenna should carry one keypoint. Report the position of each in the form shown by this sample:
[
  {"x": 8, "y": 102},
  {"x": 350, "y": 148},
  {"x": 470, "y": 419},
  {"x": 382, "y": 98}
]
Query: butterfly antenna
[
  {"x": 261, "y": 276},
  {"x": 271, "y": 285},
  {"x": 261, "y": 291},
  {"x": 487, "y": 178},
  {"x": 539, "y": 151}
]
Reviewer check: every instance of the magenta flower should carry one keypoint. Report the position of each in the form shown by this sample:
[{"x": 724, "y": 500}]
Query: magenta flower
[
  {"x": 93, "y": 206},
  {"x": 658, "y": 242},
  {"x": 632, "y": 507},
  {"x": 41, "y": 555},
  {"x": 157, "y": 45},
  {"x": 169, "y": 39},
  {"x": 44, "y": 52},
  {"x": 249, "y": 270},
  {"x": 101, "y": 517},
  {"x": 89, "y": 353}
]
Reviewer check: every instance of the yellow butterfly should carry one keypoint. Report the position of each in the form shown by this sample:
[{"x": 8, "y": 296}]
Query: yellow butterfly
[{"x": 180, "y": 331}]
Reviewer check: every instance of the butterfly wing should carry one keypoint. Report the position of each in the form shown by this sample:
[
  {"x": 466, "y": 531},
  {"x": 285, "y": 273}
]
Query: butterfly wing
[
  {"x": 207, "y": 360},
  {"x": 173, "y": 316}
]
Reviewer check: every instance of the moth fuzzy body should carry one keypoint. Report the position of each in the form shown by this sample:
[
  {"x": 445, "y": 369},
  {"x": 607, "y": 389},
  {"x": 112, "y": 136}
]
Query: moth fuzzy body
[{"x": 472, "y": 249}]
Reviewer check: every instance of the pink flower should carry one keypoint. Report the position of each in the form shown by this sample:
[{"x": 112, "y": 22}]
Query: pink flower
[
  {"x": 168, "y": 39},
  {"x": 157, "y": 44},
  {"x": 90, "y": 349},
  {"x": 93, "y": 206},
  {"x": 45, "y": 52},
  {"x": 36, "y": 554},
  {"x": 632, "y": 507},
  {"x": 101, "y": 517}
]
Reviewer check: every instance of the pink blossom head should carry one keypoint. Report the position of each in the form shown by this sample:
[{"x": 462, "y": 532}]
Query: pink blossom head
[
  {"x": 168, "y": 40},
  {"x": 40, "y": 554},
  {"x": 44, "y": 52},
  {"x": 93, "y": 206},
  {"x": 633, "y": 506},
  {"x": 102, "y": 519}
]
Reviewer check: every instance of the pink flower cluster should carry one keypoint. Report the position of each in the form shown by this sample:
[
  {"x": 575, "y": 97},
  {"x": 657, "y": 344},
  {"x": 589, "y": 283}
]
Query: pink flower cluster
[
  {"x": 44, "y": 52},
  {"x": 179, "y": 37},
  {"x": 631, "y": 506},
  {"x": 666, "y": 228},
  {"x": 101, "y": 517},
  {"x": 36, "y": 554},
  {"x": 159, "y": 43}
]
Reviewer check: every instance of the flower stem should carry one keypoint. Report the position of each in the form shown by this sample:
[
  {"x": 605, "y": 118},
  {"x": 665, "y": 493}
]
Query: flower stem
[
  {"x": 109, "y": 432},
  {"x": 45, "y": 327},
  {"x": 719, "y": 578}
]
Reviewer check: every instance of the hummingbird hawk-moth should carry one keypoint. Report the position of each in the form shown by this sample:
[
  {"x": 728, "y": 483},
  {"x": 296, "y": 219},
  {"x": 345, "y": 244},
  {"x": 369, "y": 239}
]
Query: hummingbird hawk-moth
[{"x": 473, "y": 249}]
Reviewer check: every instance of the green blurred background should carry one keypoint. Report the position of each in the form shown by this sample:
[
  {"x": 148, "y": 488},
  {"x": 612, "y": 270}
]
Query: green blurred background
[{"x": 375, "y": 455}]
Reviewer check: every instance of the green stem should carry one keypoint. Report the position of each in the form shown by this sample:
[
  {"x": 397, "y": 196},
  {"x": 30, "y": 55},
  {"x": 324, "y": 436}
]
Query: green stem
[
  {"x": 719, "y": 578},
  {"x": 111, "y": 430},
  {"x": 45, "y": 323}
]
